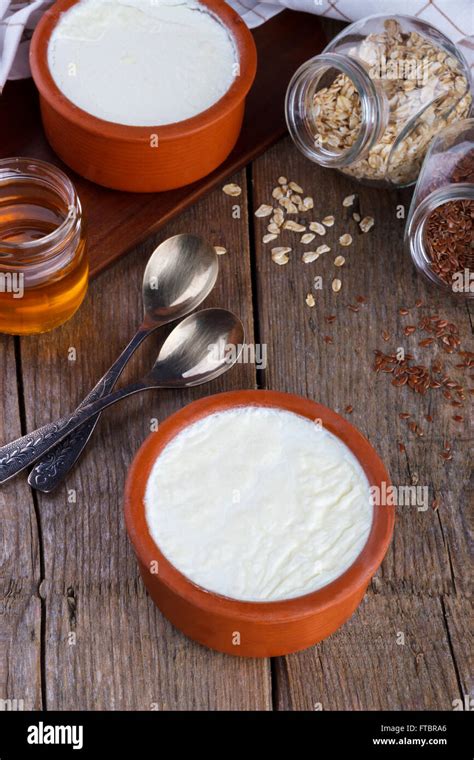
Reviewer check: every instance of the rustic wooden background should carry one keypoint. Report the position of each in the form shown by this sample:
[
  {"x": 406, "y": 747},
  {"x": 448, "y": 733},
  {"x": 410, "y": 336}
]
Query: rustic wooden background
[{"x": 78, "y": 630}]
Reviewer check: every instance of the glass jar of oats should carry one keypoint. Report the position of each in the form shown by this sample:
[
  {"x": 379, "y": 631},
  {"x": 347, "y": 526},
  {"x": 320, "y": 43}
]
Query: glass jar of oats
[
  {"x": 372, "y": 101},
  {"x": 439, "y": 233}
]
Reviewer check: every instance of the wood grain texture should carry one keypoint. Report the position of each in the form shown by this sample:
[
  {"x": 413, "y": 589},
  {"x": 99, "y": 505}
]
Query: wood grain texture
[
  {"x": 393, "y": 654},
  {"x": 458, "y": 614},
  {"x": 332, "y": 364},
  {"x": 123, "y": 654},
  {"x": 117, "y": 220},
  {"x": 20, "y": 604}
]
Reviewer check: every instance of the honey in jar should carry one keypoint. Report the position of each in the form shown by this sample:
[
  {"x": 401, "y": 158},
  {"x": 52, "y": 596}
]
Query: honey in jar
[{"x": 43, "y": 263}]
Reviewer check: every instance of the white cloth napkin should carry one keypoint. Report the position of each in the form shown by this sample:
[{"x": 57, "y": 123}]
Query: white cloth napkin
[
  {"x": 17, "y": 21},
  {"x": 453, "y": 17}
]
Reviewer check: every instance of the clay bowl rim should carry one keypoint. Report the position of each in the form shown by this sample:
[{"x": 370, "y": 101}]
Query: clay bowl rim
[
  {"x": 247, "y": 58},
  {"x": 355, "y": 578}
]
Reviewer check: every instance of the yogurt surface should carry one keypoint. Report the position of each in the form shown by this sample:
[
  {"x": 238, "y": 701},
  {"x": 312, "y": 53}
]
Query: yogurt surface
[
  {"x": 141, "y": 62},
  {"x": 258, "y": 504}
]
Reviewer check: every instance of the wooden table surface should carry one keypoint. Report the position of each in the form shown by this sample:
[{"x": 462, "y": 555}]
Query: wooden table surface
[{"x": 78, "y": 630}]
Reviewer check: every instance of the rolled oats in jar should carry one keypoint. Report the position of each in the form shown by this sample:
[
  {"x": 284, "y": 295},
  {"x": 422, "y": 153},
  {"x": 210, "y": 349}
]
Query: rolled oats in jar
[{"x": 372, "y": 102}]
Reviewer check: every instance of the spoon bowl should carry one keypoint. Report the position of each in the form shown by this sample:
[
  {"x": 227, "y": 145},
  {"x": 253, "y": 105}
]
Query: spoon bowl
[
  {"x": 198, "y": 349},
  {"x": 180, "y": 273}
]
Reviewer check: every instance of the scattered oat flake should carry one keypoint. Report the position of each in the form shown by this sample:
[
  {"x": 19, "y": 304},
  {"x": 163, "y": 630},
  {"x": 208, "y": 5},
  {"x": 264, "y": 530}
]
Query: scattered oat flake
[
  {"x": 280, "y": 250},
  {"x": 367, "y": 223},
  {"x": 317, "y": 227},
  {"x": 308, "y": 203},
  {"x": 220, "y": 250},
  {"x": 336, "y": 285},
  {"x": 322, "y": 249},
  {"x": 280, "y": 258},
  {"x": 339, "y": 261},
  {"x": 294, "y": 226},
  {"x": 264, "y": 210},
  {"x": 232, "y": 189},
  {"x": 268, "y": 238},
  {"x": 356, "y": 216},
  {"x": 273, "y": 228},
  {"x": 295, "y": 187},
  {"x": 282, "y": 180},
  {"x": 277, "y": 193},
  {"x": 348, "y": 201},
  {"x": 310, "y": 300},
  {"x": 328, "y": 221},
  {"x": 346, "y": 239},
  {"x": 309, "y": 256},
  {"x": 308, "y": 237}
]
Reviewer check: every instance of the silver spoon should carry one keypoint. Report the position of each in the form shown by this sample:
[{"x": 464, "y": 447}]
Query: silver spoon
[
  {"x": 200, "y": 348},
  {"x": 179, "y": 275}
]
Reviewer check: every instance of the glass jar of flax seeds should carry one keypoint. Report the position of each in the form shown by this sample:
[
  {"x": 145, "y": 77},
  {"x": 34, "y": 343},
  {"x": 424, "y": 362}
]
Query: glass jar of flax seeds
[
  {"x": 440, "y": 226},
  {"x": 372, "y": 101}
]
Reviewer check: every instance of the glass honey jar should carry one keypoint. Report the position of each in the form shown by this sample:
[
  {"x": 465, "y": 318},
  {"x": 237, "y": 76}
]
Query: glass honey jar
[{"x": 43, "y": 264}]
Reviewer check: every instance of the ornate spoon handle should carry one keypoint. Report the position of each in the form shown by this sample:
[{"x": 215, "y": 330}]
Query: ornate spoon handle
[
  {"x": 17, "y": 455},
  {"x": 54, "y": 467}
]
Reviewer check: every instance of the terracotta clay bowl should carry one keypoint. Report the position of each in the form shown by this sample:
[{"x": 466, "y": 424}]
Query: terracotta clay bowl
[
  {"x": 266, "y": 629},
  {"x": 122, "y": 157}
]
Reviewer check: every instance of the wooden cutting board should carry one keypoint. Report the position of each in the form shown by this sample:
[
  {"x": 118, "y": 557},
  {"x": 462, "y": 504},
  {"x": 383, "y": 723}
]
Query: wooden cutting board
[{"x": 116, "y": 221}]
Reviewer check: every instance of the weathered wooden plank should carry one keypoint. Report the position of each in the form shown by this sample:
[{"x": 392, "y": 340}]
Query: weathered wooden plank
[
  {"x": 393, "y": 654},
  {"x": 332, "y": 363},
  {"x": 20, "y": 604},
  {"x": 458, "y": 615},
  {"x": 124, "y": 655}
]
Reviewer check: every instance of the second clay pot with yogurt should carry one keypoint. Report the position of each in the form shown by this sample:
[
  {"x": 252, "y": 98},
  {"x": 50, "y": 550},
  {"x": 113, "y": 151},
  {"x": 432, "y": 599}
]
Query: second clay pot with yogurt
[{"x": 142, "y": 112}]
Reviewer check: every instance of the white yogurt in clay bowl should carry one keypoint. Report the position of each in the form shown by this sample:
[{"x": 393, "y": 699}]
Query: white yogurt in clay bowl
[
  {"x": 142, "y": 62},
  {"x": 253, "y": 518},
  {"x": 142, "y": 95},
  {"x": 258, "y": 504}
]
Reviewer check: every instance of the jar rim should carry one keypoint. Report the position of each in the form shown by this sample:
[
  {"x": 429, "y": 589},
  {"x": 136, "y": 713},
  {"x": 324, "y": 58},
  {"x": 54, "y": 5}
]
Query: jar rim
[
  {"x": 372, "y": 113},
  {"x": 59, "y": 182}
]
